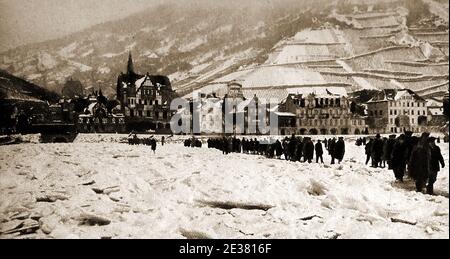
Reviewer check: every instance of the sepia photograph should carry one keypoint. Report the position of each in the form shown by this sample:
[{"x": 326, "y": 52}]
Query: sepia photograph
[{"x": 242, "y": 121}]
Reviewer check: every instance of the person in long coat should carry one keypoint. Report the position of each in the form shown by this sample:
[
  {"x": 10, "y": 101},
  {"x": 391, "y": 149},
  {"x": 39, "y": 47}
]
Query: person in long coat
[
  {"x": 339, "y": 150},
  {"x": 224, "y": 146},
  {"x": 308, "y": 150},
  {"x": 278, "y": 149},
  {"x": 384, "y": 156},
  {"x": 291, "y": 147},
  {"x": 331, "y": 149},
  {"x": 377, "y": 151},
  {"x": 420, "y": 162},
  {"x": 399, "y": 158},
  {"x": 388, "y": 151},
  {"x": 319, "y": 152},
  {"x": 436, "y": 160},
  {"x": 299, "y": 150},
  {"x": 256, "y": 147},
  {"x": 153, "y": 145}
]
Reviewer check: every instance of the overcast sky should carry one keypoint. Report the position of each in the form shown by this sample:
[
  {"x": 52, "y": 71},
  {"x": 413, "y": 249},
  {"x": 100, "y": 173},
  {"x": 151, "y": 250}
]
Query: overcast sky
[{"x": 29, "y": 21}]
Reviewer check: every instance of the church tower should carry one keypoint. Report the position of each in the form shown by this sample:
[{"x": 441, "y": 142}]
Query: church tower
[{"x": 130, "y": 66}]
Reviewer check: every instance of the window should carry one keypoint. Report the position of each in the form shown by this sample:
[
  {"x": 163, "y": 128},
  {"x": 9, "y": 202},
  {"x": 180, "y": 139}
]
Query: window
[
  {"x": 140, "y": 113},
  {"x": 156, "y": 102},
  {"x": 381, "y": 113},
  {"x": 412, "y": 112},
  {"x": 376, "y": 113},
  {"x": 390, "y": 112},
  {"x": 149, "y": 114}
]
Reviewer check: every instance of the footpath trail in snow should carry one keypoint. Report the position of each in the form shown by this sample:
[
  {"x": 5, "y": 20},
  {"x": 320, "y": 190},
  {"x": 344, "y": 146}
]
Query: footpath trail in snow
[{"x": 113, "y": 190}]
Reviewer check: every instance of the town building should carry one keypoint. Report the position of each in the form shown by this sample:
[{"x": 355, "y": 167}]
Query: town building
[
  {"x": 435, "y": 117},
  {"x": 319, "y": 111},
  {"x": 145, "y": 97},
  {"x": 72, "y": 89},
  {"x": 212, "y": 113},
  {"x": 396, "y": 111},
  {"x": 97, "y": 118}
]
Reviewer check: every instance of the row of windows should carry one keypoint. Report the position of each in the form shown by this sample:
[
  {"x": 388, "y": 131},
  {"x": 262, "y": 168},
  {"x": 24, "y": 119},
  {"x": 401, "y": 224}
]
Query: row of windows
[
  {"x": 408, "y": 112},
  {"x": 392, "y": 121},
  {"x": 149, "y": 114},
  {"x": 103, "y": 121},
  {"x": 322, "y": 102},
  {"x": 376, "y": 113},
  {"x": 398, "y": 112},
  {"x": 149, "y": 92},
  {"x": 406, "y": 104},
  {"x": 132, "y": 101},
  {"x": 318, "y": 112},
  {"x": 331, "y": 122}
]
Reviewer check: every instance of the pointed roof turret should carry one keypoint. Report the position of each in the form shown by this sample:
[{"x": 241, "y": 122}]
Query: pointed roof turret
[{"x": 130, "y": 66}]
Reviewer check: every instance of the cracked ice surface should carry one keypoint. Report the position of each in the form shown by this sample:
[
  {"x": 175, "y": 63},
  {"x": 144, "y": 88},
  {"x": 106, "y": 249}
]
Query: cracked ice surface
[{"x": 162, "y": 195}]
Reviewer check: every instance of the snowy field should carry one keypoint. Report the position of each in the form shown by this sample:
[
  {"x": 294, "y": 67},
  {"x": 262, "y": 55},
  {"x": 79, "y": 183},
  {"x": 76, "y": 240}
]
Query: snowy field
[{"x": 65, "y": 190}]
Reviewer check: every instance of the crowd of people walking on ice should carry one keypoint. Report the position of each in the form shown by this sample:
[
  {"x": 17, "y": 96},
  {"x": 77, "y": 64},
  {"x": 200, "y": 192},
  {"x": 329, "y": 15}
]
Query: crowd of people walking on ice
[
  {"x": 296, "y": 149},
  {"x": 418, "y": 157}
]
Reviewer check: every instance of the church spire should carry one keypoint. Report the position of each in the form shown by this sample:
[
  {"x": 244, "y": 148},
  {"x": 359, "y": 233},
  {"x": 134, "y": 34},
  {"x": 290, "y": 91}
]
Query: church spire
[{"x": 130, "y": 67}]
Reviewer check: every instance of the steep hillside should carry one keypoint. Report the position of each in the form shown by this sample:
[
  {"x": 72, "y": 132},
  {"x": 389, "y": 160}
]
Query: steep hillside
[
  {"x": 203, "y": 39},
  {"x": 358, "y": 46},
  {"x": 14, "y": 88}
]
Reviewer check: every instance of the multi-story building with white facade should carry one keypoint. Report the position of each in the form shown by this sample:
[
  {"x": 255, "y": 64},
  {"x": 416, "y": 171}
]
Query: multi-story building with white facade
[
  {"x": 319, "y": 111},
  {"x": 396, "y": 111}
]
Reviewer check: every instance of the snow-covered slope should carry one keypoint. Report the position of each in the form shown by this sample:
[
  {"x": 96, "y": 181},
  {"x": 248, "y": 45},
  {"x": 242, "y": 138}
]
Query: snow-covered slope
[
  {"x": 358, "y": 44},
  {"x": 203, "y": 38}
]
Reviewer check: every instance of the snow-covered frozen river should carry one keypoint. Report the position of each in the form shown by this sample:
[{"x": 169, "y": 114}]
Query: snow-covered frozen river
[{"x": 182, "y": 192}]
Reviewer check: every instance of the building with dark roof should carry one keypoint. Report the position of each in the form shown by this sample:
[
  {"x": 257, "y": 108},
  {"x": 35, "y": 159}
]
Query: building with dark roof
[
  {"x": 145, "y": 97},
  {"x": 396, "y": 111}
]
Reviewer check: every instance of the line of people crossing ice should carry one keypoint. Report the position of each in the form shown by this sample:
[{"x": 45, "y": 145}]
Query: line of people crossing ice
[
  {"x": 418, "y": 157},
  {"x": 296, "y": 149}
]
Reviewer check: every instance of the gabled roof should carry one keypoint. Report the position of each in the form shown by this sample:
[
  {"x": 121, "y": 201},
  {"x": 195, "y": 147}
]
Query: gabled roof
[{"x": 394, "y": 95}]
